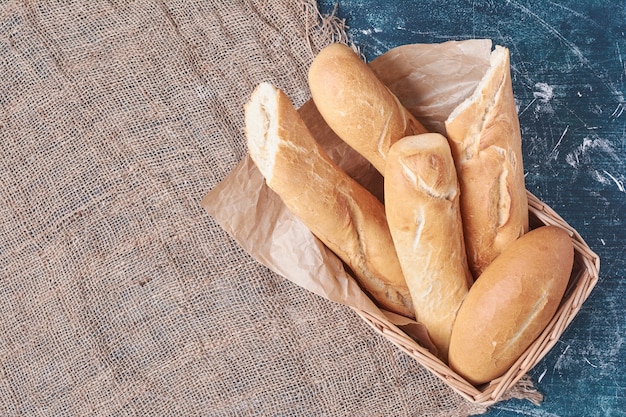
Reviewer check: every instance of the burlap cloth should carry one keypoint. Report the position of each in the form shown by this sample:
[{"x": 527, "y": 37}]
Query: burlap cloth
[{"x": 119, "y": 295}]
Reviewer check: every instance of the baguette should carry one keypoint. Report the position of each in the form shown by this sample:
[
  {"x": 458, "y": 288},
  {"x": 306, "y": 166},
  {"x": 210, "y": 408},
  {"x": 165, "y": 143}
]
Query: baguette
[
  {"x": 485, "y": 138},
  {"x": 511, "y": 304},
  {"x": 359, "y": 108},
  {"x": 422, "y": 206},
  {"x": 347, "y": 218}
]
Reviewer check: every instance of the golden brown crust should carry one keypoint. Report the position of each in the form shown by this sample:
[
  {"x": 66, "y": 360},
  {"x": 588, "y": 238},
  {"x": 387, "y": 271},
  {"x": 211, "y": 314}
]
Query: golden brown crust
[
  {"x": 341, "y": 213},
  {"x": 485, "y": 138},
  {"x": 422, "y": 206},
  {"x": 511, "y": 304},
  {"x": 357, "y": 105}
]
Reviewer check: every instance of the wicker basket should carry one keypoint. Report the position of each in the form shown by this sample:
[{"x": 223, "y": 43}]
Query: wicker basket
[{"x": 584, "y": 277}]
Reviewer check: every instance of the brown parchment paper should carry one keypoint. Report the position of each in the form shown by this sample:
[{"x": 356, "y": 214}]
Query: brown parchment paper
[{"x": 430, "y": 80}]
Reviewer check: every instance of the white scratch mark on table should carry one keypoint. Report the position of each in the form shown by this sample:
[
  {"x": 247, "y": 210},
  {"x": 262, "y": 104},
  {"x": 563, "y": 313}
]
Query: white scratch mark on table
[
  {"x": 620, "y": 184},
  {"x": 542, "y": 375},
  {"x": 539, "y": 412},
  {"x": 577, "y": 14},
  {"x": 619, "y": 96},
  {"x": 587, "y": 360},
  {"x": 558, "y": 365},
  {"x": 526, "y": 108},
  {"x": 553, "y": 152},
  {"x": 618, "y": 111}
]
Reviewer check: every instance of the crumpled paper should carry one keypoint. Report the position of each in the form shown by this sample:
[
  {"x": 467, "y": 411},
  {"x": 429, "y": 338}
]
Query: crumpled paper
[{"x": 430, "y": 80}]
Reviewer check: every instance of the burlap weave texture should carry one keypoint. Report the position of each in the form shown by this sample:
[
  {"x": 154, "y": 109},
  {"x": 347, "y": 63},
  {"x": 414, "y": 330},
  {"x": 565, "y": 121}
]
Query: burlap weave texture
[{"x": 119, "y": 295}]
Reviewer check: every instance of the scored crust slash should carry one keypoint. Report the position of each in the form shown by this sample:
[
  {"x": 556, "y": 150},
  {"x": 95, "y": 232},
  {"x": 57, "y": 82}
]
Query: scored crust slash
[
  {"x": 449, "y": 246},
  {"x": 339, "y": 211}
]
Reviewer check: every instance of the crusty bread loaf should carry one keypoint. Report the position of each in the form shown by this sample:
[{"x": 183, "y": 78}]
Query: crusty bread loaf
[
  {"x": 485, "y": 138},
  {"x": 341, "y": 213},
  {"x": 348, "y": 159},
  {"x": 511, "y": 304},
  {"x": 422, "y": 206},
  {"x": 357, "y": 105}
]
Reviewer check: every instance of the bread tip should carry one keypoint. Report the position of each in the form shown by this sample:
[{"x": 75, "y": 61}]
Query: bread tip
[
  {"x": 261, "y": 127},
  {"x": 498, "y": 59}
]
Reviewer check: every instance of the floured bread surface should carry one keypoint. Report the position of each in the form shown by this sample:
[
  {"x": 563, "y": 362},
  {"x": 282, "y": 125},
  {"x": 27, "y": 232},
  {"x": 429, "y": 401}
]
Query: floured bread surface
[
  {"x": 485, "y": 139},
  {"x": 423, "y": 212},
  {"x": 346, "y": 217}
]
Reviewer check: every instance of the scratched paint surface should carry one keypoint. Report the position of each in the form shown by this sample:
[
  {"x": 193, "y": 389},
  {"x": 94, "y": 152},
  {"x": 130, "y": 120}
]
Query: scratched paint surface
[{"x": 568, "y": 67}]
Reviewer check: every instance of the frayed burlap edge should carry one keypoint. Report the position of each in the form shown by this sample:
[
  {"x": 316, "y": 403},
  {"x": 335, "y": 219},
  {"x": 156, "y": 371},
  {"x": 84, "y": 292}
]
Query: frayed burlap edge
[{"x": 524, "y": 390}]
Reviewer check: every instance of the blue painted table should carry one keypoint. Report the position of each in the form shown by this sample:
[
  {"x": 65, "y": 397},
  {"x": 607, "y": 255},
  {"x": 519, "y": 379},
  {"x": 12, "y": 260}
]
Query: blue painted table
[{"x": 568, "y": 68}]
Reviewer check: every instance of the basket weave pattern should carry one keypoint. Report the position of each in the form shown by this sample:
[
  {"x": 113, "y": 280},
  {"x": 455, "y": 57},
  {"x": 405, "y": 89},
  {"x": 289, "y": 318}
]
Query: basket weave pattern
[{"x": 583, "y": 278}]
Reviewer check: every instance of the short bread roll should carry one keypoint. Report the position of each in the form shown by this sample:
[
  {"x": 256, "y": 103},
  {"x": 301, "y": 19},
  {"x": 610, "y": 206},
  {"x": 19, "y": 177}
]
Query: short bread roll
[
  {"x": 422, "y": 206},
  {"x": 511, "y": 303},
  {"x": 485, "y": 138},
  {"x": 341, "y": 213},
  {"x": 359, "y": 108}
]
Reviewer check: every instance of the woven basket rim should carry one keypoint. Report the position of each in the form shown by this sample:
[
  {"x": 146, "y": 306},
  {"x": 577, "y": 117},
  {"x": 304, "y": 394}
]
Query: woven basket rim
[{"x": 584, "y": 277}]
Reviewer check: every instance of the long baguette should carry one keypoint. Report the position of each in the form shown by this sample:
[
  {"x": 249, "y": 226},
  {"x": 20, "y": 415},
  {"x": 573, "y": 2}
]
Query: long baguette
[
  {"x": 485, "y": 138},
  {"x": 357, "y": 105},
  {"x": 422, "y": 206},
  {"x": 341, "y": 213}
]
